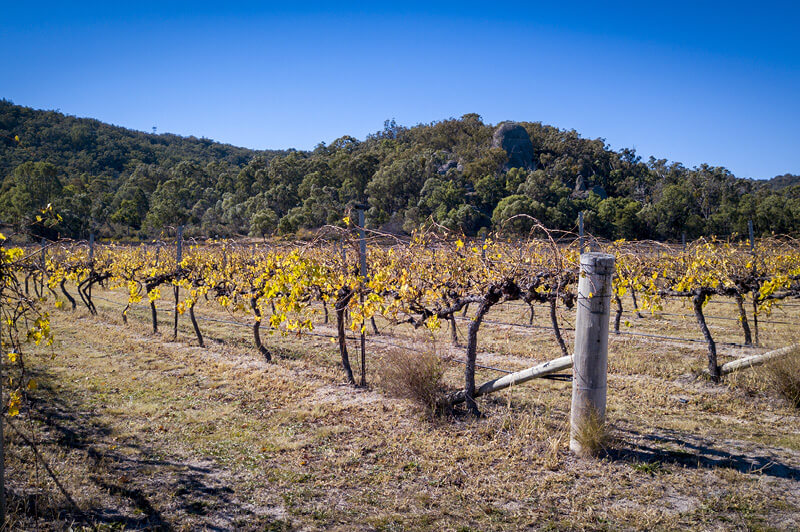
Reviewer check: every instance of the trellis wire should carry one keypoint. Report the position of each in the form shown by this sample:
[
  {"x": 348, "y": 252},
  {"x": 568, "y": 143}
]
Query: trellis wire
[
  {"x": 658, "y": 313},
  {"x": 311, "y": 333},
  {"x": 629, "y": 333}
]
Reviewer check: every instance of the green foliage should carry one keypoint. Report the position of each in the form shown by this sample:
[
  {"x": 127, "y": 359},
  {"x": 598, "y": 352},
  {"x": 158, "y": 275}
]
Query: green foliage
[
  {"x": 30, "y": 188},
  {"x": 517, "y": 213},
  {"x": 118, "y": 182},
  {"x": 649, "y": 468},
  {"x": 263, "y": 222}
]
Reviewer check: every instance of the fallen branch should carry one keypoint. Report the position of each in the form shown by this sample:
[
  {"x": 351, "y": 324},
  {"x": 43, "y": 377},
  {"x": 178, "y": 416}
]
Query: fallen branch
[
  {"x": 756, "y": 360},
  {"x": 540, "y": 370}
]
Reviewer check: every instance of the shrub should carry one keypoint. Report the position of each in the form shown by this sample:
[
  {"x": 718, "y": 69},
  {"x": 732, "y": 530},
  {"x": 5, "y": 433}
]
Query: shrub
[{"x": 415, "y": 376}]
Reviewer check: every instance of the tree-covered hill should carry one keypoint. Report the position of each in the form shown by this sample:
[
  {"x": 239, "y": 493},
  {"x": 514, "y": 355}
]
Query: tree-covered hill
[
  {"x": 780, "y": 182},
  {"x": 462, "y": 173}
]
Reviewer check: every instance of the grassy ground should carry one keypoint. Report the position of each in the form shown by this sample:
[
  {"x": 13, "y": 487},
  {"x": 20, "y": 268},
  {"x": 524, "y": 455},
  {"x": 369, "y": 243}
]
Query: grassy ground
[{"x": 146, "y": 432}]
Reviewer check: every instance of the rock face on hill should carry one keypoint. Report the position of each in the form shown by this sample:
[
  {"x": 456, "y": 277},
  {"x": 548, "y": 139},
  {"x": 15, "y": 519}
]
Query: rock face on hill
[
  {"x": 514, "y": 138},
  {"x": 447, "y": 166},
  {"x": 582, "y": 189}
]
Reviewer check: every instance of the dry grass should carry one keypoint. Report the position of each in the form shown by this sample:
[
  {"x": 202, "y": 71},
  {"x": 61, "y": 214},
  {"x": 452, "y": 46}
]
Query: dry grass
[
  {"x": 784, "y": 375},
  {"x": 149, "y": 433},
  {"x": 778, "y": 378},
  {"x": 417, "y": 376},
  {"x": 592, "y": 434}
]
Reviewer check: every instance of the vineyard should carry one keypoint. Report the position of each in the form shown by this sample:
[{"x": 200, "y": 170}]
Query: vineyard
[{"x": 346, "y": 311}]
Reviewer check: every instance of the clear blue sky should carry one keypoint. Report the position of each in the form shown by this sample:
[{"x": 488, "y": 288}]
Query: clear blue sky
[{"x": 687, "y": 81}]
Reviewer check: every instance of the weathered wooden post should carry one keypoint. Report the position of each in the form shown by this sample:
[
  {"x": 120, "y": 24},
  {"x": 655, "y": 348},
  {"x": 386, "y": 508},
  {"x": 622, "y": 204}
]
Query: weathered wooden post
[
  {"x": 590, "y": 360},
  {"x": 755, "y": 292},
  {"x": 362, "y": 252},
  {"x": 91, "y": 261},
  {"x": 43, "y": 246},
  {"x": 153, "y": 309},
  {"x": 178, "y": 259}
]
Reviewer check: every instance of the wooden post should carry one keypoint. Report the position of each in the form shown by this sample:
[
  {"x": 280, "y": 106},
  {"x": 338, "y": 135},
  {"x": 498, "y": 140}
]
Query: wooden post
[
  {"x": 91, "y": 260},
  {"x": 362, "y": 248},
  {"x": 362, "y": 245},
  {"x": 44, "y": 263},
  {"x": 179, "y": 252},
  {"x": 153, "y": 310},
  {"x": 754, "y": 292},
  {"x": 178, "y": 259},
  {"x": 591, "y": 344}
]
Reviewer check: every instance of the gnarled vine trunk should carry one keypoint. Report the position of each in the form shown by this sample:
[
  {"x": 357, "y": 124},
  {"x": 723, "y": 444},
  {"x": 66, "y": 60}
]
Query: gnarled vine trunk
[
  {"x": 635, "y": 304},
  {"x": 154, "y": 316},
  {"x": 453, "y": 330},
  {"x": 342, "y": 299},
  {"x": 697, "y": 302},
  {"x": 755, "y": 317},
  {"x": 195, "y": 326},
  {"x": 472, "y": 355},
  {"x": 85, "y": 291},
  {"x": 256, "y": 329},
  {"x": 748, "y": 340},
  {"x": 67, "y": 294},
  {"x": 556, "y": 328}
]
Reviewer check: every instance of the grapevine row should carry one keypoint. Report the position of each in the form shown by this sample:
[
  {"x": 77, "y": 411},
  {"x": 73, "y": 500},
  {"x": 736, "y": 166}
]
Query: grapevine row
[{"x": 422, "y": 283}]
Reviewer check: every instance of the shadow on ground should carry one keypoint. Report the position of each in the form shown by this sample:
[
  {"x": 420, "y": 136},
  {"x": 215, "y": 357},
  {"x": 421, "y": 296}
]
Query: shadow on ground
[
  {"x": 142, "y": 490},
  {"x": 691, "y": 451}
]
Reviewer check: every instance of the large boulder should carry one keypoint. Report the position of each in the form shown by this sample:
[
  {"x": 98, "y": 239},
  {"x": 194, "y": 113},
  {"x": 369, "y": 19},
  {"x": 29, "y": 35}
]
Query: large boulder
[
  {"x": 582, "y": 189},
  {"x": 514, "y": 139},
  {"x": 447, "y": 166}
]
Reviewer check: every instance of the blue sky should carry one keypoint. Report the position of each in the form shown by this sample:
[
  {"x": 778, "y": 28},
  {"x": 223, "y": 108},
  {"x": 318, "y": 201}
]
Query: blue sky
[{"x": 687, "y": 81}]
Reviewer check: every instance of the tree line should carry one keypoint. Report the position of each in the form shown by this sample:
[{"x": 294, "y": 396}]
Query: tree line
[{"x": 121, "y": 183}]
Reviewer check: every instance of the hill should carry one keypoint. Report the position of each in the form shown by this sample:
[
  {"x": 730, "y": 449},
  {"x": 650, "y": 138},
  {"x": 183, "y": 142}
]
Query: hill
[
  {"x": 462, "y": 173},
  {"x": 780, "y": 182}
]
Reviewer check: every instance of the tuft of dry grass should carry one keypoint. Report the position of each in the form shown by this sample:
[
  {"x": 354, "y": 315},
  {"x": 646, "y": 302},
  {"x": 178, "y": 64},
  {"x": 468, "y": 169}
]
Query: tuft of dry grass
[
  {"x": 779, "y": 377},
  {"x": 784, "y": 376},
  {"x": 592, "y": 434},
  {"x": 417, "y": 376}
]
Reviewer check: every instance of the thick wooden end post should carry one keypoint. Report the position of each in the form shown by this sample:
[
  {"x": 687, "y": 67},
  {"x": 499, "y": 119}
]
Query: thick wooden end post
[{"x": 591, "y": 345}]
